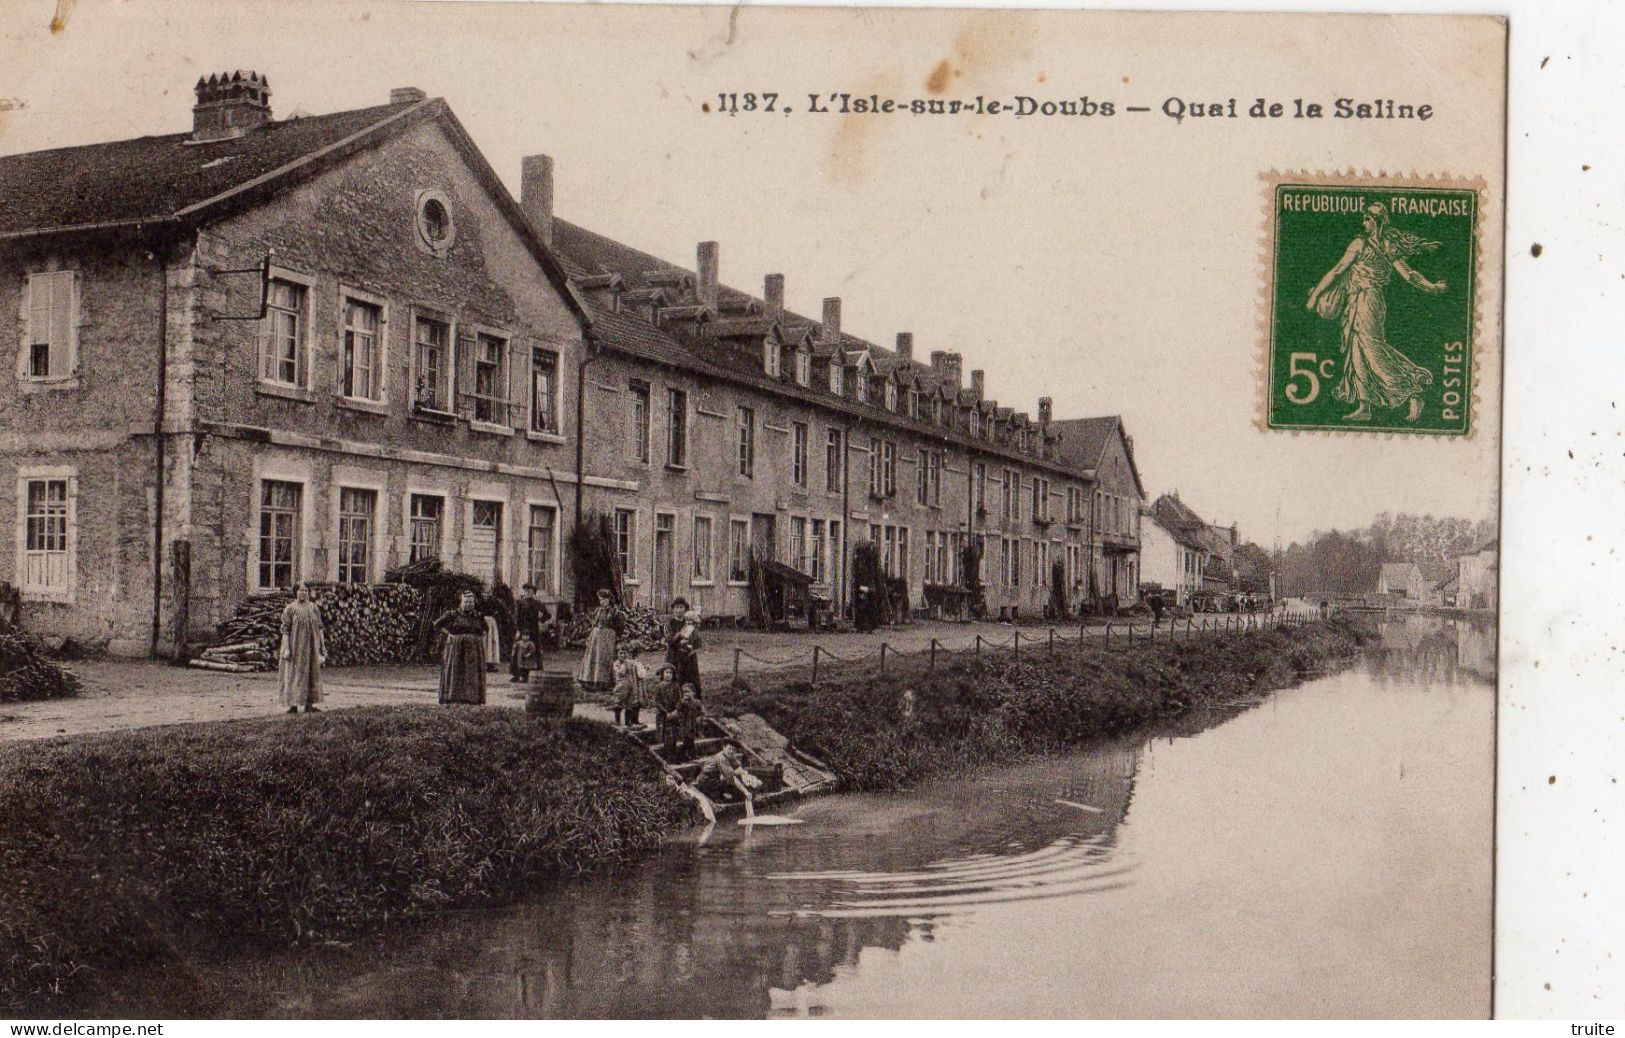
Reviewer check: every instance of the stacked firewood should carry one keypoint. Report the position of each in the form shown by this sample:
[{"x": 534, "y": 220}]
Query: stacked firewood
[
  {"x": 361, "y": 624},
  {"x": 27, "y": 674},
  {"x": 644, "y": 629}
]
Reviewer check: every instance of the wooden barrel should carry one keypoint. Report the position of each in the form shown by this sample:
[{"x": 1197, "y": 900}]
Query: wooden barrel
[{"x": 551, "y": 696}]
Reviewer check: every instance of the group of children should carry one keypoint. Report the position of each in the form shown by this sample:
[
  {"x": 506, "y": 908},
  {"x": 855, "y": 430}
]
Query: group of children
[{"x": 678, "y": 711}]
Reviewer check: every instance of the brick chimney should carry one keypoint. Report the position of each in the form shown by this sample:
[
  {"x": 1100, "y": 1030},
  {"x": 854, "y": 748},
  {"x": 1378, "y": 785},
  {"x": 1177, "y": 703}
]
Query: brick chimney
[
  {"x": 773, "y": 295},
  {"x": 1046, "y": 410},
  {"x": 978, "y": 384},
  {"x": 229, "y": 104},
  {"x": 406, "y": 95},
  {"x": 950, "y": 365},
  {"x": 536, "y": 193},
  {"x": 831, "y": 329},
  {"x": 706, "y": 257},
  {"x": 905, "y": 345}
]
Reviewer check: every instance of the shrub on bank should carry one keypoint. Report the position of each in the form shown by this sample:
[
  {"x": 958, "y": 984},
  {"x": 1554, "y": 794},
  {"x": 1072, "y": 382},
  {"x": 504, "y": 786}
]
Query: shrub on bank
[
  {"x": 977, "y": 710},
  {"x": 116, "y": 847},
  {"x": 26, "y": 673}
]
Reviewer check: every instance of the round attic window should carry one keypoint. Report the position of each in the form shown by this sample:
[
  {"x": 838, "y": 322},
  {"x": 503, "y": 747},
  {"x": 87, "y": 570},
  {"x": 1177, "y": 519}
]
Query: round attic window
[{"x": 436, "y": 231}]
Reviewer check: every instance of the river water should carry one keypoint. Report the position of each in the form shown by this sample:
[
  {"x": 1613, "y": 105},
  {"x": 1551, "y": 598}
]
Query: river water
[{"x": 1323, "y": 852}]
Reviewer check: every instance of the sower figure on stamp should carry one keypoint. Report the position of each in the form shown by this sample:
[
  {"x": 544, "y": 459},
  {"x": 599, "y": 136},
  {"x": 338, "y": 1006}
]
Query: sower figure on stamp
[
  {"x": 304, "y": 650},
  {"x": 1375, "y": 374}
]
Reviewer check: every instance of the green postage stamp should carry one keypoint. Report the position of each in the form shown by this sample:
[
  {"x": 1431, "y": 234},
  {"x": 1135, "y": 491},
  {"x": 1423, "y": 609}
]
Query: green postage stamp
[{"x": 1372, "y": 297}]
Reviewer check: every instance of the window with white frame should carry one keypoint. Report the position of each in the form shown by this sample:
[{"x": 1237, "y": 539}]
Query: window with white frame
[
  {"x": 425, "y": 517},
  {"x": 363, "y": 361},
  {"x": 771, "y": 354},
  {"x": 888, "y": 468},
  {"x": 834, "y": 461},
  {"x": 676, "y": 428},
  {"x": 738, "y": 551},
  {"x": 638, "y": 391},
  {"x": 874, "y": 466},
  {"x": 745, "y": 420},
  {"x": 975, "y": 422},
  {"x": 1012, "y": 494},
  {"x": 544, "y": 391},
  {"x": 798, "y": 543},
  {"x": 432, "y": 359},
  {"x": 281, "y": 508},
  {"x": 930, "y": 556},
  {"x": 539, "y": 547},
  {"x": 803, "y": 366},
  {"x": 490, "y": 379},
  {"x": 704, "y": 551},
  {"x": 902, "y": 552},
  {"x": 861, "y": 385},
  {"x": 936, "y": 462},
  {"x": 922, "y": 479},
  {"x": 282, "y": 337},
  {"x": 626, "y": 541},
  {"x": 816, "y": 552},
  {"x": 1041, "y": 574},
  {"x": 47, "y": 564},
  {"x": 836, "y": 376},
  {"x": 798, "y": 453},
  {"x": 358, "y": 525},
  {"x": 914, "y": 402},
  {"x": 891, "y": 395},
  {"x": 52, "y": 335}
]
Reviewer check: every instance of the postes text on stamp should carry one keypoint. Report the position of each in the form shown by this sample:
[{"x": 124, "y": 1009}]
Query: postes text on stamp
[{"x": 1371, "y": 306}]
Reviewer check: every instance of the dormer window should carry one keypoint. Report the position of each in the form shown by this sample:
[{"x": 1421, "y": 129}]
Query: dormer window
[
  {"x": 770, "y": 358},
  {"x": 891, "y": 395},
  {"x": 862, "y": 388},
  {"x": 975, "y": 423},
  {"x": 936, "y": 410},
  {"x": 803, "y": 367},
  {"x": 914, "y": 402},
  {"x": 837, "y": 378}
]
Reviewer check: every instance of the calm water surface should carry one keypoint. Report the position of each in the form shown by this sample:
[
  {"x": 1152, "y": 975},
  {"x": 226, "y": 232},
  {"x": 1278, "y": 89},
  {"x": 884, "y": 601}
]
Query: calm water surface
[{"x": 1324, "y": 853}]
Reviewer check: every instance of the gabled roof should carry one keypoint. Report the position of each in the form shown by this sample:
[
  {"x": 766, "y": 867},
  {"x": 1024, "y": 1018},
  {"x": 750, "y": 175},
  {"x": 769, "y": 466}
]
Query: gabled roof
[
  {"x": 1182, "y": 535},
  {"x": 149, "y": 183},
  {"x": 1083, "y": 443}
]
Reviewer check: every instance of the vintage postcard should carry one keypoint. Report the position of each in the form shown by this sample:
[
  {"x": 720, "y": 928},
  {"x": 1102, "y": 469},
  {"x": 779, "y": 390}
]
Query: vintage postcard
[{"x": 529, "y": 510}]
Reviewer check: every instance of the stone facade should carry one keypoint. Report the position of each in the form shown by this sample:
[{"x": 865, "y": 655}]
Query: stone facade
[{"x": 374, "y": 355}]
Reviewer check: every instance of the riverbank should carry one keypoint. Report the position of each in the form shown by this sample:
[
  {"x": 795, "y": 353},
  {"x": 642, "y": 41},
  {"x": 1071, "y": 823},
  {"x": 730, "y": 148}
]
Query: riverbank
[{"x": 122, "y": 849}]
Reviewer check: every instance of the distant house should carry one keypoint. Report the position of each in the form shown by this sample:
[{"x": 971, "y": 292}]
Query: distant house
[
  {"x": 1403, "y": 579},
  {"x": 1478, "y": 577},
  {"x": 1171, "y": 559}
]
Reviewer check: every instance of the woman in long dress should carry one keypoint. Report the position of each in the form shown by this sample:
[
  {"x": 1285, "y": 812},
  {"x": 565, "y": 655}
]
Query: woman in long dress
[
  {"x": 596, "y": 673},
  {"x": 462, "y": 665},
  {"x": 1375, "y": 374},
  {"x": 304, "y": 650}
]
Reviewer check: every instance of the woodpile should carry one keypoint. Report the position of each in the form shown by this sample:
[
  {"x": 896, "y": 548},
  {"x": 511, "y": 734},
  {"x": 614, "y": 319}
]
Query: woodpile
[
  {"x": 361, "y": 624},
  {"x": 27, "y": 674},
  {"x": 645, "y": 629}
]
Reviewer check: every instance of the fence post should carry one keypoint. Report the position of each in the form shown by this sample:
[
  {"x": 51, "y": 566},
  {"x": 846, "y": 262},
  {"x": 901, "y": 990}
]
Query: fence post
[
  {"x": 1015, "y": 651},
  {"x": 1107, "y": 641},
  {"x": 882, "y": 659},
  {"x": 933, "y": 665},
  {"x": 1131, "y": 634},
  {"x": 978, "y": 645},
  {"x": 1052, "y": 641},
  {"x": 736, "y": 668},
  {"x": 815, "y": 667}
]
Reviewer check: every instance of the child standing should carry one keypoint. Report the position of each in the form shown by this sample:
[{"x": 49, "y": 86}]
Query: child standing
[
  {"x": 666, "y": 698},
  {"x": 689, "y": 715},
  {"x": 629, "y": 677}
]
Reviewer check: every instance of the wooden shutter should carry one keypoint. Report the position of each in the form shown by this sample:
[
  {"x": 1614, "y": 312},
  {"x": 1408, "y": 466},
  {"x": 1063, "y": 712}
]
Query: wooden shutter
[
  {"x": 461, "y": 396},
  {"x": 518, "y": 384}
]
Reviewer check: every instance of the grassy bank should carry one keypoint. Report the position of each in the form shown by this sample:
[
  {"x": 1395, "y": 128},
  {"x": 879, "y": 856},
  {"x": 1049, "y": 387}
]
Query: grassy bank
[
  {"x": 972, "y": 711},
  {"x": 121, "y": 850},
  {"x": 142, "y": 850}
]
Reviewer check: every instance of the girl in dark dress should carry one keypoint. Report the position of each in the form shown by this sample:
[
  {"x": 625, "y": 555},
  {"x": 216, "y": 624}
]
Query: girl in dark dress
[{"x": 462, "y": 666}]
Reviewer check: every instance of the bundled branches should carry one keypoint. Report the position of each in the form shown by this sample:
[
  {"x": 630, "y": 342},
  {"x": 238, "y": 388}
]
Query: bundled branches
[
  {"x": 361, "y": 624},
  {"x": 26, "y": 673}
]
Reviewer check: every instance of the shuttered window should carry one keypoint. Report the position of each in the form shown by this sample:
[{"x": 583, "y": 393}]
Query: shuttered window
[
  {"x": 47, "y": 565},
  {"x": 282, "y": 341}
]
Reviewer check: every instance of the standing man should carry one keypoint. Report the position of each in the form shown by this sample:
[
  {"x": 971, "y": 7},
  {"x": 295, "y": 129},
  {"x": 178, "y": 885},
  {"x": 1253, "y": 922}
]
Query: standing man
[
  {"x": 682, "y": 645},
  {"x": 1156, "y": 609},
  {"x": 528, "y": 617}
]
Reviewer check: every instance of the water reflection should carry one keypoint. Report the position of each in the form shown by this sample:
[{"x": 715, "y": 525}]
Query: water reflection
[{"x": 1275, "y": 861}]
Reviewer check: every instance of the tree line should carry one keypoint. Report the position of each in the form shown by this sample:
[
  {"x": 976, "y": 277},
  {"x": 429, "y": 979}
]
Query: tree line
[{"x": 1349, "y": 561}]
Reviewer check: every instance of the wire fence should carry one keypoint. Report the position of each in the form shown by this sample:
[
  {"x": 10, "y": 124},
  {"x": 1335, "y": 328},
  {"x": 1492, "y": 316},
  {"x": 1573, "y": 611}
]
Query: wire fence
[{"x": 1118, "y": 635}]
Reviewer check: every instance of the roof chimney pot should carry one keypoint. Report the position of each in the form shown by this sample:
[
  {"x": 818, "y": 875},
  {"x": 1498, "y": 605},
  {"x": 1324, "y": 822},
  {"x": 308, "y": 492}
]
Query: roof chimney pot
[
  {"x": 905, "y": 345},
  {"x": 536, "y": 193},
  {"x": 1046, "y": 410},
  {"x": 773, "y": 295},
  {"x": 831, "y": 330},
  {"x": 706, "y": 257},
  {"x": 229, "y": 104},
  {"x": 978, "y": 383}
]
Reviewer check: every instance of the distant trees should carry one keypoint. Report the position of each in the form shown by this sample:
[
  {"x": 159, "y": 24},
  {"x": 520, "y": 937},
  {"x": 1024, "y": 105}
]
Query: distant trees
[{"x": 1349, "y": 562}]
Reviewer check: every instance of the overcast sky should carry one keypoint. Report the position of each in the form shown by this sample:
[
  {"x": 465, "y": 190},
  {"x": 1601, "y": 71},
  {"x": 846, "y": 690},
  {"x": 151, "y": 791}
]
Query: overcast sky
[{"x": 1114, "y": 265}]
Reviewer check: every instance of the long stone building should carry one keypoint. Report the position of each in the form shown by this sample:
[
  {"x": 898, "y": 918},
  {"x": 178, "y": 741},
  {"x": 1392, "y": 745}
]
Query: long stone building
[{"x": 266, "y": 351}]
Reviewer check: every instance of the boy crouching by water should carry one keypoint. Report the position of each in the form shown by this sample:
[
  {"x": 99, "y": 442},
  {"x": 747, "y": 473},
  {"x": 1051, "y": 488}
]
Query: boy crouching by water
[{"x": 723, "y": 776}]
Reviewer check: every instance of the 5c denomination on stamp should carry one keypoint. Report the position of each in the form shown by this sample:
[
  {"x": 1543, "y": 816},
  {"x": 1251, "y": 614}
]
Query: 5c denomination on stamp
[{"x": 1371, "y": 304}]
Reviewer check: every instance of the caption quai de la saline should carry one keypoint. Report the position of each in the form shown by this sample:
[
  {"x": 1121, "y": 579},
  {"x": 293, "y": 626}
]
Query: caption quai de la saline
[{"x": 1020, "y": 106}]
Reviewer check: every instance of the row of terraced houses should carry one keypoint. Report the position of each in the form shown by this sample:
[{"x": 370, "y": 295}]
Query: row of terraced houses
[{"x": 319, "y": 347}]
